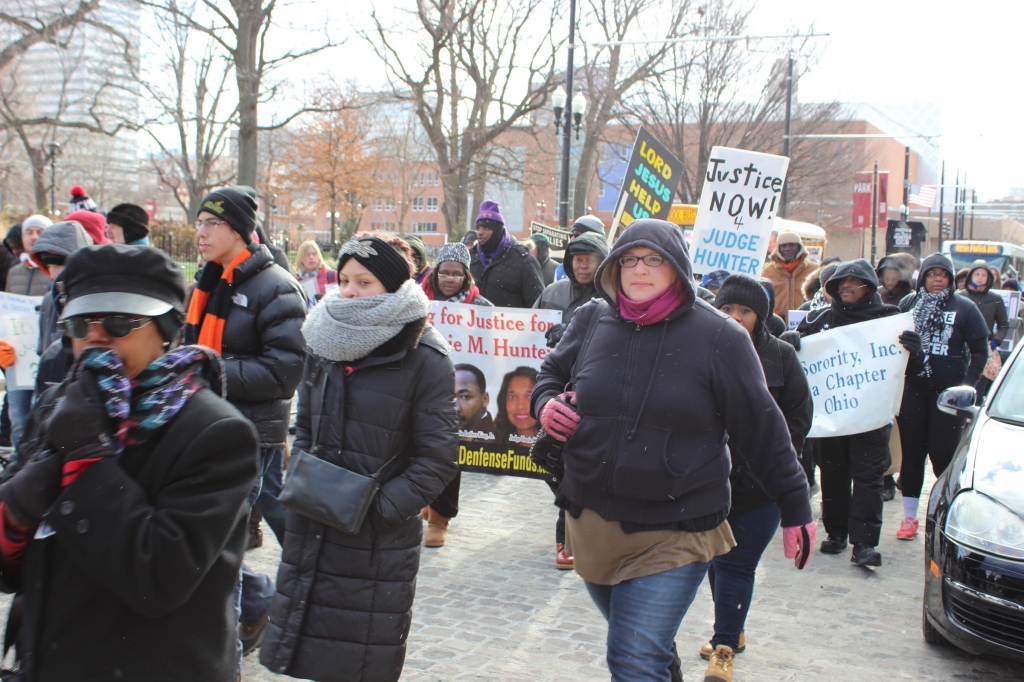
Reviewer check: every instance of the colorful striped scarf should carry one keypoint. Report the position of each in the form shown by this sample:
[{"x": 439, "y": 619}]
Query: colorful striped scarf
[{"x": 211, "y": 303}]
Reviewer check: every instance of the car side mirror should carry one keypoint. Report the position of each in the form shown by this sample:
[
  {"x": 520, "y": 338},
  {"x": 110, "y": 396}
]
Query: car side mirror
[{"x": 959, "y": 401}]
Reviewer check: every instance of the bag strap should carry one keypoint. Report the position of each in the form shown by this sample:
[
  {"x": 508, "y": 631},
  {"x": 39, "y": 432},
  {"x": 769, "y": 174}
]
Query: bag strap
[{"x": 595, "y": 319}]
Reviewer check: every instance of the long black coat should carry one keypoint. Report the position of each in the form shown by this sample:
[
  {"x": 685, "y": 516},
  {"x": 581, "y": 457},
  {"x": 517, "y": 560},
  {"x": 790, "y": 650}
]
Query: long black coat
[
  {"x": 344, "y": 602},
  {"x": 263, "y": 346},
  {"x": 138, "y": 582},
  {"x": 514, "y": 280}
]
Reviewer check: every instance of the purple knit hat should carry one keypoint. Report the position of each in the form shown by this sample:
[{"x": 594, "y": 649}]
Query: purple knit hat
[{"x": 489, "y": 210}]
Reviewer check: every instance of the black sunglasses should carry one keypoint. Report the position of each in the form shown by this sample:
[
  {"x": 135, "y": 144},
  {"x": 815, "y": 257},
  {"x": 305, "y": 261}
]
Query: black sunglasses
[{"x": 117, "y": 326}]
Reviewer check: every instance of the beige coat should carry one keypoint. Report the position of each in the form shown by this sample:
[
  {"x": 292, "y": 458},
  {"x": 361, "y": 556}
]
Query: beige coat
[{"x": 788, "y": 288}]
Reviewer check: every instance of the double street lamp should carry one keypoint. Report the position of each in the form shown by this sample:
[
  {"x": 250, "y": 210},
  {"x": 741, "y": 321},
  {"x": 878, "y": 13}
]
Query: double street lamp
[{"x": 573, "y": 120}]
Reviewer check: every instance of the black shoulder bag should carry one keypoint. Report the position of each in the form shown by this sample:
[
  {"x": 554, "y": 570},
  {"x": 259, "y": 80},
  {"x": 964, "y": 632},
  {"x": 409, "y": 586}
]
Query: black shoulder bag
[
  {"x": 328, "y": 493},
  {"x": 546, "y": 451}
]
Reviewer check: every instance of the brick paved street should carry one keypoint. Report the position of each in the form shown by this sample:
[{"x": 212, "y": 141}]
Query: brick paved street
[{"x": 491, "y": 606}]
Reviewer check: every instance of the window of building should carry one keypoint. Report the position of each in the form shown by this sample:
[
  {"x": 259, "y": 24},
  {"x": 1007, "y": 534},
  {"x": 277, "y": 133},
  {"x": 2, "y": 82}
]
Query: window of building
[
  {"x": 424, "y": 227},
  {"x": 377, "y": 204},
  {"x": 432, "y": 204},
  {"x": 417, "y": 204},
  {"x": 389, "y": 205}
]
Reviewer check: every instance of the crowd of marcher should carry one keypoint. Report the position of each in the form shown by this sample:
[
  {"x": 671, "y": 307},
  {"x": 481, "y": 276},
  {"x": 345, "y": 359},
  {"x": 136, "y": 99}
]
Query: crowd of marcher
[{"x": 674, "y": 410}]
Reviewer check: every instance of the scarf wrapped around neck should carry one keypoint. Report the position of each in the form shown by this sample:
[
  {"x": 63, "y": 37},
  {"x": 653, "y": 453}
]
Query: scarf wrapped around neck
[
  {"x": 139, "y": 407},
  {"x": 464, "y": 296},
  {"x": 211, "y": 303},
  {"x": 348, "y": 329},
  {"x": 929, "y": 323},
  {"x": 653, "y": 310},
  {"x": 487, "y": 260}
]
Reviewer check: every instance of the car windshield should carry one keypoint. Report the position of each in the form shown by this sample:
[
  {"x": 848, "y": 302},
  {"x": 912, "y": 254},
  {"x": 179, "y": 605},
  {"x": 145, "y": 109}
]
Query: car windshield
[{"x": 1008, "y": 402}]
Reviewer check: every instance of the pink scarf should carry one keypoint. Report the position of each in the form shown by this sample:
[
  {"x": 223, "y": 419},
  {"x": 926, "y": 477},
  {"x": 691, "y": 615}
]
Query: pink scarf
[{"x": 654, "y": 309}]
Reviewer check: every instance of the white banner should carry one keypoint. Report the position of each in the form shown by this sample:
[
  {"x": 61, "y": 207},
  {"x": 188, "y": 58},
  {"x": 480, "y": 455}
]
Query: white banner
[
  {"x": 856, "y": 375},
  {"x": 501, "y": 348},
  {"x": 737, "y": 205},
  {"x": 19, "y": 326}
]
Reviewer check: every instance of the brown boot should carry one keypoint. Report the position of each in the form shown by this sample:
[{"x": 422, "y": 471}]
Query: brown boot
[
  {"x": 255, "y": 532},
  {"x": 707, "y": 649},
  {"x": 563, "y": 561},
  {"x": 720, "y": 665},
  {"x": 437, "y": 529}
]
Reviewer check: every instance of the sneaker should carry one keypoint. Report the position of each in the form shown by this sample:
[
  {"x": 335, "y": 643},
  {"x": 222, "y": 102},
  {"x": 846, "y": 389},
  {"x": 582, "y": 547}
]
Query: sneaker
[
  {"x": 563, "y": 561},
  {"x": 707, "y": 649},
  {"x": 719, "y": 665},
  {"x": 888, "y": 493},
  {"x": 865, "y": 555},
  {"x": 251, "y": 635},
  {"x": 834, "y": 545},
  {"x": 908, "y": 530}
]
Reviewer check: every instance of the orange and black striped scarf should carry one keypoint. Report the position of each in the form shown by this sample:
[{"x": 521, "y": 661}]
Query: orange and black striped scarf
[{"x": 211, "y": 303}]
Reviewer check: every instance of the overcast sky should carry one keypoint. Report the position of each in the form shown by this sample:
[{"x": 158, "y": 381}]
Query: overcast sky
[{"x": 962, "y": 55}]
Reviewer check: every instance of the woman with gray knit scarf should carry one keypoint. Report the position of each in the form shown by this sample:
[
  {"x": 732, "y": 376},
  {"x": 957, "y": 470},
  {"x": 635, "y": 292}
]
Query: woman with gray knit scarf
[{"x": 378, "y": 389}]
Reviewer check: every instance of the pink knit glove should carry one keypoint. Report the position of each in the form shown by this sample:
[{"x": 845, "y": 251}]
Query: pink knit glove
[
  {"x": 559, "y": 418},
  {"x": 798, "y": 542}
]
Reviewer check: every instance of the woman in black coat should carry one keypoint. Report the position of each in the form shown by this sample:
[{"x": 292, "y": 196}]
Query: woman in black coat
[
  {"x": 754, "y": 515},
  {"x": 378, "y": 385}
]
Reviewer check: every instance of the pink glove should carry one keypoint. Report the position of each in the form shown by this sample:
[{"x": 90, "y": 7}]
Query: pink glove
[
  {"x": 798, "y": 542},
  {"x": 558, "y": 416}
]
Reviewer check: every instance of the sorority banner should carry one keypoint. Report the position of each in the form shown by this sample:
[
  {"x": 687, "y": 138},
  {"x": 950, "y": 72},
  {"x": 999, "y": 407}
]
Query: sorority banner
[
  {"x": 737, "y": 204},
  {"x": 650, "y": 181},
  {"x": 496, "y": 352},
  {"x": 19, "y": 326},
  {"x": 856, "y": 375}
]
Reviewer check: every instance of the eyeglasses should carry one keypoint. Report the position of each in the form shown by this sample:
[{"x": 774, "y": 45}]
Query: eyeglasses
[
  {"x": 653, "y": 260},
  {"x": 117, "y": 326},
  {"x": 940, "y": 274},
  {"x": 454, "y": 278},
  {"x": 210, "y": 224}
]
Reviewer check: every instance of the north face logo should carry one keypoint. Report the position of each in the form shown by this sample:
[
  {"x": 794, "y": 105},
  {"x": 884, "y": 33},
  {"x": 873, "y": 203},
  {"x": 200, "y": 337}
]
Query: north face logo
[{"x": 216, "y": 206}]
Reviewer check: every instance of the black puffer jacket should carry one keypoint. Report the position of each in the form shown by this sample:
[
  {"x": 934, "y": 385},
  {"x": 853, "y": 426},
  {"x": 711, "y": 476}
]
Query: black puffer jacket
[
  {"x": 657, "y": 402},
  {"x": 146, "y": 552},
  {"x": 263, "y": 345},
  {"x": 343, "y": 605},
  {"x": 513, "y": 280}
]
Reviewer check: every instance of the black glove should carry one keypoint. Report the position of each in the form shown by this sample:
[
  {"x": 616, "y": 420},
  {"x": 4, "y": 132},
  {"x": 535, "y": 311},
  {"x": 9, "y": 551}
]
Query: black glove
[
  {"x": 33, "y": 490},
  {"x": 911, "y": 340},
  {"x": 554, "y": 335},
  {"x": 80, "y": 427},
  {"x": 792, "y": 338}
]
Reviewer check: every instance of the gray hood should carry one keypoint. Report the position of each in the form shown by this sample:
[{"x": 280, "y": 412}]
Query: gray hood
[
  {"x": 62, "y": 238},
  {"x": 588, "y": 242},
  {"x": 657, "y": 235}
]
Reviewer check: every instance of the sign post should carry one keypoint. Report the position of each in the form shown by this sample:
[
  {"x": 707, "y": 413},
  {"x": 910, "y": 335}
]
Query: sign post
[
  {"x": 651, "y": 178},
  {"x": 737, "y": 206}
]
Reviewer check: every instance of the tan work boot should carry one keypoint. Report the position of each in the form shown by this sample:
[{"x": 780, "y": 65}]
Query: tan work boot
[
  {"x": 437, "y": 529},
  {"x": 720, "y": 665},
  {"x": 707, "y": 649}
]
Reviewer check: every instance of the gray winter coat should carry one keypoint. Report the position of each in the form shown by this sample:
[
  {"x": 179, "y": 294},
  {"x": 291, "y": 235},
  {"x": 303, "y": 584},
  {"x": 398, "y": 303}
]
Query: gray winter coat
[
  {"x": 26, "y": 281},
  {"x": 566, "y": 295},
  {"x": 344, "y": 602}
]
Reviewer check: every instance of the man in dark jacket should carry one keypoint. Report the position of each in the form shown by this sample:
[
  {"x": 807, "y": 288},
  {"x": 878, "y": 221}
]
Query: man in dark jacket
[
  {"x": 10, "y": 253},
  {"x": 861, "y": 458},
  {"x": 50, "y": 253},
  {"x": 508, "y": 276},
  {"x": 582, "y": 225},
  {"x": 547, "y": 266},
  {"x": 250, "y": 311},
  {"x": 137, "y": 483},
  {"x": 583, "y": 256}
]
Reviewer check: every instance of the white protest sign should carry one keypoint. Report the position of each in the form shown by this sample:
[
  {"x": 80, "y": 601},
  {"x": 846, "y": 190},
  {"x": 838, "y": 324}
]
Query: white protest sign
[
  {"x": 19, "y": 326},
  {"x": 1011, "y": 299},
  {"x": 737, "y": 205},
  {"x": 795, "y": 318},
  {"x": 856, "y": 375},
  {"x": 502, "y": 348}
]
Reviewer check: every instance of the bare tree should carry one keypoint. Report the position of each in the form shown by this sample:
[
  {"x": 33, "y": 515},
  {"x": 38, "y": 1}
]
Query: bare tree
[
  {"x": 609, "y": 72},
  {"x": 191, "y": 111},
  {"x": 405, "y": 155},
  {"x": 479, "y": 71},
  {"x": 26, "y": 24},
  {"x": 241, "y": 29}
]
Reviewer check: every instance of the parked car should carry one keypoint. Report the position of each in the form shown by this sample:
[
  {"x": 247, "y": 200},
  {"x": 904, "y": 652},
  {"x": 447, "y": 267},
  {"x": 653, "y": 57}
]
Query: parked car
[{"x": 974, "y": 535}]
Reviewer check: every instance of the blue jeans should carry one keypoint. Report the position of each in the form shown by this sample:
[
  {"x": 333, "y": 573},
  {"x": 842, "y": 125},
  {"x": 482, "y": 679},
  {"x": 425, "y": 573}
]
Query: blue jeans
[
  {"x": 19, "y": 406},
  {"x": 273, "y": 481},
  {"x": 643, "y": 617},
  {"x": 732, "y": 575}
]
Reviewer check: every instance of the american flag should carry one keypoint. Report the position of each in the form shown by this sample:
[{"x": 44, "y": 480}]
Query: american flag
[{"x": 923, "y": 195}]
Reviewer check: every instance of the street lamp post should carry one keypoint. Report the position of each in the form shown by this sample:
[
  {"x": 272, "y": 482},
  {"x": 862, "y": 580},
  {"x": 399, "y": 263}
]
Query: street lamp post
[
  {"x": 573, "y": 119},
  {"x": 54, "y": 150}
]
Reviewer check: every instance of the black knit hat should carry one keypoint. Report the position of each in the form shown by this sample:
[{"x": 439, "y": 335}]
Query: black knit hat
[
  {"x": 117, "y": 278},
  {"x": 383, "y": 260},
  {"x": 743, "y": 290},
  {"x": 234, "y": 206},
  {"x": 133, "y": 221}
]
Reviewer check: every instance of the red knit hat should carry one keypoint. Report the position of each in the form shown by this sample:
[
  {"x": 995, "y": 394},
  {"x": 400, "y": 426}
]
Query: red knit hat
[{"x": 94, "y": 223}]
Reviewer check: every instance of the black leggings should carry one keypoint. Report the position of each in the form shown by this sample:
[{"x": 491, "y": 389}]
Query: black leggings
[{"x": 925, "y": 432}]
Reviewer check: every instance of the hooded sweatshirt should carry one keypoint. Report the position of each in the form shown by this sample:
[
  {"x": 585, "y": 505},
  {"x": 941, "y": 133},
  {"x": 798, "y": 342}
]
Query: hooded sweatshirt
[
  {"x": 904, "y": 264},
  {"x": 660, "y": 404},
  {"x": 62, "y": 239},
  {"x": 839, "y": 314},
  {"x": 567, "y": 295},
  {"x": 989, "y": 302},
  {"x": 963, "y": 338}
]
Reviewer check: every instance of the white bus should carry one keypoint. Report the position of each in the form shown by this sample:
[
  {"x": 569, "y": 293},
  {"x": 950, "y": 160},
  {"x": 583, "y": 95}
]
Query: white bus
[{"x": 1005, "y": 257}]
